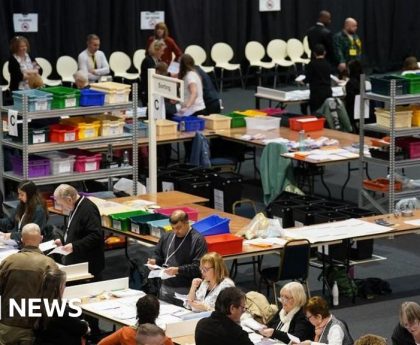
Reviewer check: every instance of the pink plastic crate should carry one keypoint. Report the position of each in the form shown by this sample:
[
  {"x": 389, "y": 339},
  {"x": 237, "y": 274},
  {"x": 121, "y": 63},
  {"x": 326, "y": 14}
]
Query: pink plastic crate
[
  {"x": 167, "y": 211},
  {"x": 37, "y": 166},
  {"x": 273, "y": 111},
  {"x": 86, "y": 161},
  {"x": 411, "y": 145}
]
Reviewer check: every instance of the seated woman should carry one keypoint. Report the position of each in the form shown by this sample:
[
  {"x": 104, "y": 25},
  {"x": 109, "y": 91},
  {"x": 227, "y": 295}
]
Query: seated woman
[
  {"x": 328, "y": 329},
  {"x": 58, "y": 330},
  {"x": 31, "y": 209},
  {"x": 147, "y": 312},
  {"x": 292, "y": 317},
  {"x": 407, "y": 332},
  {"x": 204, "y": 292}
]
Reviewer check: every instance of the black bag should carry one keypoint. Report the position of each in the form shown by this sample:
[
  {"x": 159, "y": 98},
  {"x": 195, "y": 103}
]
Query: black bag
[
  {"x": 370, "y": 287},
  {"x": 138, "y": 279}
]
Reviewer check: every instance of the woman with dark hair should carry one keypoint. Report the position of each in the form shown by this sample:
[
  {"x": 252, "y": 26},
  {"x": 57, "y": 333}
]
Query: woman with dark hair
[
  {"x": 161, "y": 33},
  {"x": 58, "y": 329},
  {"x": 193, "y": 87},
  {"x": 31, "y": 209},
  {"x": 147, "y": 312},
  {"x": 21, "y": 64}
]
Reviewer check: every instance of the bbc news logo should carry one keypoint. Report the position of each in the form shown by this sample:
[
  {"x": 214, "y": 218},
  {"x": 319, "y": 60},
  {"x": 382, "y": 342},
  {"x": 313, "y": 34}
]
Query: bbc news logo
[{"x": 32, "y": 307}]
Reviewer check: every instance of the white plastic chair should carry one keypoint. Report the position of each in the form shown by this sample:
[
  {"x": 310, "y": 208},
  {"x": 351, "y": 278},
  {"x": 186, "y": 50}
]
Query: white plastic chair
[
  {"x": 221, "y": 54},
  {"x": 277, "y": 51},
  {"x": 138, "y": 58},
  {"x": 6, "y": 76},
  {"x": 306, "y": 48},
  {"x": 295, "y": 51},
  {"x": 200, "y": 56},
  {"x": 255, "y": 52},
  {"x": 46, "y": 71},
  {"x": 120, "y": 62},
  {"x": 66, "y": 67}
]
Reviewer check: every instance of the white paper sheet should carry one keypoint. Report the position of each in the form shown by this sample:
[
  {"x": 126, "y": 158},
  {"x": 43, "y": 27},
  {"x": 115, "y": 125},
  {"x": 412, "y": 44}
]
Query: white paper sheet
[
  {"x": 293, "y": 339},
  {"x": 128, "y": 293},
  {"x": 59, "y": 250},
  {"x": 414, "y": 222},
  {"x": 159, "y": 274},
  {"x": 44, "y": 246},
  {"x": 173, "y": 68}
]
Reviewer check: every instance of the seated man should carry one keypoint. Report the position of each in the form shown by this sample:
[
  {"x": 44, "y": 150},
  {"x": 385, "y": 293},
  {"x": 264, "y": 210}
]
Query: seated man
[
  {"x": 179, "y": 252},
  {"x": 222, "y": 327},
  {"x": 92, "y": 60}
]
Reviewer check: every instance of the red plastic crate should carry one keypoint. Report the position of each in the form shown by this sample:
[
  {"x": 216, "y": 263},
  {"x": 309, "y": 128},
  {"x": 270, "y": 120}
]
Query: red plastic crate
[
  {"x": 307, "y": 123},
  {"x": 85, "y": 160},
  {"x": 167, "y": 211},
  {"x": 224, "y": 244},
  {"x": 410, "y": 145},
  {"x": 62, "y": 133}
]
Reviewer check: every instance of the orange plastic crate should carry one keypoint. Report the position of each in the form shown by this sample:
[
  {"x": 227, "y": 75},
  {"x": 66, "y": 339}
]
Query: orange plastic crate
[
  {"x": 307, "y": 123},
  {"x": 381, "y": 185},
  {"x": 224, "y": 244}
]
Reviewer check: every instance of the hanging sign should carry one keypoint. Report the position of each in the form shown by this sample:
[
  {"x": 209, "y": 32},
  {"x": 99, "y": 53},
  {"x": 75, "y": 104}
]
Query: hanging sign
[
  {"x": 25, "y": 22},
  {"x": 148, "y": 20},
  {"x": 269, "y": 5},
  {"x": 12, "y": 122}
]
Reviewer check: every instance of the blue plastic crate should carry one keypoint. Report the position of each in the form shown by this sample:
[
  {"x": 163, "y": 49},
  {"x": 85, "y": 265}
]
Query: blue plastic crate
[
  {"x": 157, "y": 227},
  {"x": 142, "y": 129},
  {"x": 140, "y": 224},
  {"x": 212, "y": 225},
  {"x": 89, "y": 98},
  {"x": 37, "y": 100},
  {"x": 189, "y": 123}
]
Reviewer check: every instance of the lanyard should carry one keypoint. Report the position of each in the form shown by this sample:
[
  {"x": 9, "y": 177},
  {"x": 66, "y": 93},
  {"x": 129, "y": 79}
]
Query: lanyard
[
  {"x": 20, "y": 221},
  {"x": 169, "y": 247},
  {"x": 71, "y": 217}
]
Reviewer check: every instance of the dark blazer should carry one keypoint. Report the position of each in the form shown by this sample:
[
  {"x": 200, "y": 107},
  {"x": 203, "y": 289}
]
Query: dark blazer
[
  {"x": 147, "y": 63},
  {"x": 401, "y": 336},
  {"x": 86, "y": 235},
  {"x": 319, "y": 34},
  {"x": 318, "y": 77},
  {"x": 299, "y": 327},
  {"x": 16, "y": 75},
  {"x": 219, "y": 329}
]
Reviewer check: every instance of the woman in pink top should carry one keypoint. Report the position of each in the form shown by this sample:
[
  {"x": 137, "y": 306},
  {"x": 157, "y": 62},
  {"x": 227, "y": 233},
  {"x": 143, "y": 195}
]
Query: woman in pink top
[{"x": 161, "y": 33}]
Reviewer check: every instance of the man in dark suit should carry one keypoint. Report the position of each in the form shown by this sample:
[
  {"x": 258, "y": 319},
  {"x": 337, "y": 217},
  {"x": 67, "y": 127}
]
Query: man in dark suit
[{"x": 320, "y": 34}]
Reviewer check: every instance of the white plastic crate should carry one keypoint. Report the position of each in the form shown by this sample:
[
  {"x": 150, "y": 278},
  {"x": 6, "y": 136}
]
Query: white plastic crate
[
  {"x": 60, "y": 162},
  {"x": 402, "y": 118},
  {"x": 114, "y": 92},
  {"x": 166, "y": 127},
  {"x": 217, "y": 122},
  {"x": 264, "y": 123},
  {"x": 110, "y": 125}
]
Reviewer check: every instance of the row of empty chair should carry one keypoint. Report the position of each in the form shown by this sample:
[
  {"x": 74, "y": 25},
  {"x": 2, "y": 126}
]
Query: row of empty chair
[{"x": 282, "y": 54}]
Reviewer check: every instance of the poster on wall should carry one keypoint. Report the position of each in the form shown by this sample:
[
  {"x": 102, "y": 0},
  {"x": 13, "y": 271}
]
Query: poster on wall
[
  {"x": 25, "y": 22},
  {"x": 269, "y": 5},
  {"x": 148, "y": 20}
]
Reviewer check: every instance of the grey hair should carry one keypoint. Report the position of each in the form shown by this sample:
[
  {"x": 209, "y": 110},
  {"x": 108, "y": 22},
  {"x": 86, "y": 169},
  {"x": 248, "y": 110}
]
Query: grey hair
[
  {"x": 80, "y": 75},
  {"x": 65, "y": 191},
  {"x": 31, "y": 229}
]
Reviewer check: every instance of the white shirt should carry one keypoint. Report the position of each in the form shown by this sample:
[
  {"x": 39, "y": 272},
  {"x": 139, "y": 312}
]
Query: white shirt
[
  {"x": 25, "y": 65},
  {"x": 193, "y": 78},
  {"x": 335, "y": 336},
  {"x": 85, "y": 62}
]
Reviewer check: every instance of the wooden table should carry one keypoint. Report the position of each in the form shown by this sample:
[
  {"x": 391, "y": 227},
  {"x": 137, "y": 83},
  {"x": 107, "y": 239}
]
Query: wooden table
[{"x": 166, "y": 199}]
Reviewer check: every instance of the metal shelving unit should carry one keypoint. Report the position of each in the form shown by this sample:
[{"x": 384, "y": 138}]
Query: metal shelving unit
[
  {"x": 389, "y": 197},
  {"x": 105, "y": 143}
]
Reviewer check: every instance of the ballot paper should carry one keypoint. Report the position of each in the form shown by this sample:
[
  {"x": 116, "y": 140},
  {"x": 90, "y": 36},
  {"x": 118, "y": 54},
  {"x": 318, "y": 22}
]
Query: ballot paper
[
  {"x": 127, "y": 293},
  {"x": 293, "y": 339},
  {"x": 173, "y": 68},
  {"x": 181, "y": 296},
  {"x": 160, "y": 274},
  {"x": 253, "y": 324},
  {"x": 153, "y": 267},
  {"x": 44, "y": 246},
  {"x": 59, "y": 250}
]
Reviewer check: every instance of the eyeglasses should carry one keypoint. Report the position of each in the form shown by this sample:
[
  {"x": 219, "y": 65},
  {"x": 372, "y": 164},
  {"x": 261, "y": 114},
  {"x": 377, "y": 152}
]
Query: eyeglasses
[
  {"x": 286, "y": 299},
  {"x": 413, "y": 324},
  {"x": 205, "y": 269}
]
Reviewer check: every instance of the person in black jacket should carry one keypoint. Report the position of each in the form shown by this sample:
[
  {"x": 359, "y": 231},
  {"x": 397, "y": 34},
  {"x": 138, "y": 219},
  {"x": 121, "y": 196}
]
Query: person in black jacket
[
  {"x": 355, "y": 69},
  {"x": 65, "y": 329},
  {"x": 318, "y": 77},
  {"x": 407, "y": 332},
  {"x": 292, "y": 317},
  {"x": 222, "y": 327},
  {"x": 320, "y": 34},
  {"x": 83, "y": 238}
]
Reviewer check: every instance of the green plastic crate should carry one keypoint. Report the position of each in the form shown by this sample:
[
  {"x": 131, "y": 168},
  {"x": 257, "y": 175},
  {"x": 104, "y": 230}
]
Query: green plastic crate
[
  {"x": 238, "y": 120},
  {"x": 63, "y": 97},
  {"x": 413, "y": 83},
  {"x": 122, "y": 221}
]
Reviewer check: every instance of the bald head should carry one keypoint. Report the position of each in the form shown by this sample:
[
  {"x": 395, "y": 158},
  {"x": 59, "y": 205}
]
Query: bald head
[
  {"x": 179, "y": 223},
  {"x": 31, "y": 235},
  {"x": 350, "y": 26},
  {"x": 324, "y": 17}
]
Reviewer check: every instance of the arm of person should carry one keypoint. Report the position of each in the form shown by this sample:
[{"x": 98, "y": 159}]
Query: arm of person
[
  {"x": 92, "y": 233},
  {"x": 175, "y": 49},
  {"x": 195, "y": 284},
  {"x": 83, "y": 65},
  {"x": 338, "y": 51},
  {"x": 158, "y": 254},
  {"x": 7, "y": 223},
  {"x": 112, "y": 339},
  {"x": 335, "y": 337},
  {"x": 192, "y": 87},
  {"x": 192, "y": 270},
  {"x": 103, "y": 62},
  {"x": 16, "y": 74}
]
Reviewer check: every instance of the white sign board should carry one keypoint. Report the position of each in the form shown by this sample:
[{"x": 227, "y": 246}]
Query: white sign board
[
  {"x": 12, "y": 122},
  {"x": 159, "y": 111},
  {"x": 168, "y": 87},
  {"x": 148, "y": 20},
  {"x": 269, "y": 5},
  {"x": 27, "y": 22}
]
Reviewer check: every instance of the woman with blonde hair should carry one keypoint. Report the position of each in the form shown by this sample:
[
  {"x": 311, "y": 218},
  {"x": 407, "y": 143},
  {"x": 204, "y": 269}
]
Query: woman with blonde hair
[
  {"x": 161, "y": 33},
  {"x": 292, "y": 317},
  {"x": 203, "y": 292},
  {"x": 407, "y": 331}
]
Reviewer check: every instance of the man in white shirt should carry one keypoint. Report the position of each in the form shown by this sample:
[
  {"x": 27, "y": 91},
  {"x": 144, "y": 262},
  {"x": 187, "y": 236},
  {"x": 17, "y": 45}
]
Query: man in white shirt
[{"x": 92, "y": 60}]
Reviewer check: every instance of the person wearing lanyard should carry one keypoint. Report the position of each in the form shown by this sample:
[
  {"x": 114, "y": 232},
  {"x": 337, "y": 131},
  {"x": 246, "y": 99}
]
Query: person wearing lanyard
[
  {"x": 83, "y": 238},
  {"x": 347, "y": 45},
  {"x": 92, "y": 60},
  {"x": 179, "y": 253},
  {"x": 31, "y": 209}
]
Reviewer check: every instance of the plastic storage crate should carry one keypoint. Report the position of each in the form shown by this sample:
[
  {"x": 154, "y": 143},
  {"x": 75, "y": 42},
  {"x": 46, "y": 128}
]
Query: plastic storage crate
[
  {"x": 167, "y": 211},
  {"x": 273, "y": 111},
  {"x": 227, "y": 188},
  {"x": 382, "y": 85},
  {"x": 212, "y": 225},
  {"x": 250, "y": 112},
  {"x": 114, "y": 92},
  {"x": 415, "y": 120},
  {"x": 381, "y": 185},
  {"x": 35, "y": 135},
  {"x": 122, "y": 221},
  {"x": 89, "y": 98},
  {"x": 142, "y": 129},
  {"x": 110, "y": 125},
  {"x": 85, "y": 160},
  {"x": 37, "y": 166},
  {"x": 88, "y": 128},
  {"x": 224, "y": 244},
  {"x": 140, "y": 224},
  {"x": 159, "y": 227},
  {"x": 263, "y": 123},
  {"x": 413, "y": 83},
  {"x": 402, "y": 117},
  {"x": 238, "y": 120},
  {"x": 306, "y": 123},
  {"x": 410, "y": 145},
  {"x": 189, "y": 123},
  {"x": 62, "y": 133},
  {"x": 63, "y": 97},
  {"x": 216, "y": 121},
  {"x": 166, "y": 127},
  {"x": 37, "y": 100},
  {"x": 60, "y": 162}
]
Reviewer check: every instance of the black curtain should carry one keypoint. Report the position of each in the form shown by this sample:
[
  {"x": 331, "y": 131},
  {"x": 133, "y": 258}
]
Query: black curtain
[{"x": 388, "y": 28}]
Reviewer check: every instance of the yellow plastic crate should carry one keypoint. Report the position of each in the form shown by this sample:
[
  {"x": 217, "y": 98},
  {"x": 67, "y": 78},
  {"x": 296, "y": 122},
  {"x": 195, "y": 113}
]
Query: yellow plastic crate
[
  {"x": 216, "y": 121},
  {"x": 114, "y": 92},
  {"x": 402, "y": 117},
  {"x": 110, "y": 125},
  {"x": 87, "y": 128},
  {"x": 415, "y": 120},
  {"x": 166, "y": 127},
  {"x": 251, "y": 112}
]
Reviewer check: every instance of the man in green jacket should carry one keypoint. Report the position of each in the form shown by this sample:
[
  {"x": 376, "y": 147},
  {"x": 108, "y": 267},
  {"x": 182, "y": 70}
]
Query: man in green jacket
[{"x": 347, "y": 45}]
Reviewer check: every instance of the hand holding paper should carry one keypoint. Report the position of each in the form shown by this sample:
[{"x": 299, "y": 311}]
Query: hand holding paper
[{"x": 59, "y": 250}]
